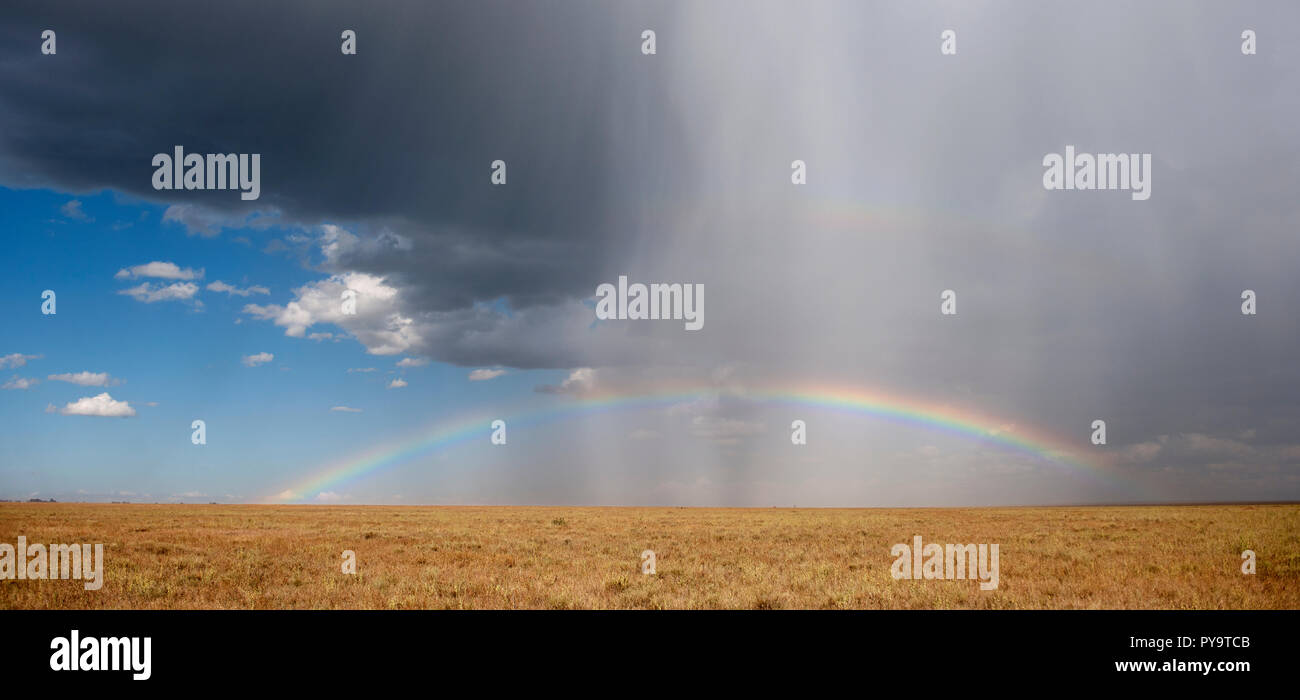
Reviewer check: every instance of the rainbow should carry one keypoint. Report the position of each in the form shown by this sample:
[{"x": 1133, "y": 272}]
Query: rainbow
[{"x": 1038, "y": 444}]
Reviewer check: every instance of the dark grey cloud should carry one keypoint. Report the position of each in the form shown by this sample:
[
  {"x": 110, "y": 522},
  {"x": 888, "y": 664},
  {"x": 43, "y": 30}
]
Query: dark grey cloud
[{"x": 399, "y": 136}]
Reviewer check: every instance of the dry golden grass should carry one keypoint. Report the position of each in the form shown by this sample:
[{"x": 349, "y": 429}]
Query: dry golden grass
[{"x": 215, "y": 556}]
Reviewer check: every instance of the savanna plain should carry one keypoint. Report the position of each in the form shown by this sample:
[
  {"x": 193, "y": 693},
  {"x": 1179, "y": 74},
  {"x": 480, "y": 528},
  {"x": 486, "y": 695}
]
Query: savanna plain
[{"x": 437, "y": 557}]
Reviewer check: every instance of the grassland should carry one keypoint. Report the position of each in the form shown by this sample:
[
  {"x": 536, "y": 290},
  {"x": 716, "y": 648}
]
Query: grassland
[{"x": 246, "y": 556}]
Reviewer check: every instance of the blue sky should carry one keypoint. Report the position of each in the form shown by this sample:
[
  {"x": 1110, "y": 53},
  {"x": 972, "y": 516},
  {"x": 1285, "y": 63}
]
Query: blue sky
[{"x": 263, "y": 422}]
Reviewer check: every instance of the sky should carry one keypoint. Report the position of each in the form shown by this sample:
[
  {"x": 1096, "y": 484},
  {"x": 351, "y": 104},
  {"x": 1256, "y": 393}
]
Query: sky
[{"x": 476, "y": 301}]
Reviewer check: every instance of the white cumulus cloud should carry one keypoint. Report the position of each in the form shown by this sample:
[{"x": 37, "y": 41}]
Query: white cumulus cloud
[
  {"x": 219, "y": 286},
  {"x": 17, "y": 382},
  {"x": 379, "y": 324},
  {"x": 160, "y": 270},
  {"x": 148, "y": 294},
  {"x": 101, "y": 405},
  {"x": 579, "y": 382},
  {"x": 16, "y": 360},
  {"x": 73, "y": 210},
  {"x": 257, "y": 359},
  {"x": 85, "y": 378}
]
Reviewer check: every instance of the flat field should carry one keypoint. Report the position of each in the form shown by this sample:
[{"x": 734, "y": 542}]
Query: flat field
[{"x": 250, "y": 556}]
